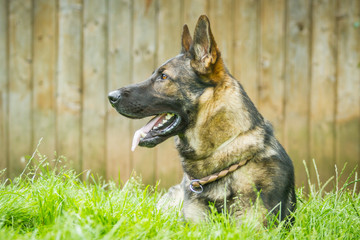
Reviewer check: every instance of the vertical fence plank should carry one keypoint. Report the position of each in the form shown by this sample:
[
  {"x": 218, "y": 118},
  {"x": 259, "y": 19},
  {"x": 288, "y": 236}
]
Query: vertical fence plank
[
  {"x": 348, "y": 86},
  {"x": 170, "y": 22},
  {"x": 119, "y": 136},
  {"x": 222, "y": 25},
  {"x": 272, "y": 63},
  {"x": 44, "y": 74},
  {"x": 3, "y": 86},
  {"x": 298, "y": 85},
  {"x": 144, "y": 49},
  {"x": 20, "y": 84},
  {"x": 246, "y": 49},
  {"x": 94, "y": 82},
  {"x": 192, "y": 11},
  {"x": 323, "y": 87},
  {"x": 69, "y": 81}
]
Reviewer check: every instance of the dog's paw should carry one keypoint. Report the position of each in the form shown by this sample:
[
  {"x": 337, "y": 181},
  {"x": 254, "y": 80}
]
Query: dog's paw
[{"x": 172, "y": 199}]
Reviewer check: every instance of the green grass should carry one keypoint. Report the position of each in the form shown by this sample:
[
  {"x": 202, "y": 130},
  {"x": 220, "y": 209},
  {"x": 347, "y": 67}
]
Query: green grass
[{"x": 52, "y": 203}]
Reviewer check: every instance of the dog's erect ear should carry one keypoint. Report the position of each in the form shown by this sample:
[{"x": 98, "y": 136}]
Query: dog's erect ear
[
  {"x": 186, "y": 39},
  {"x": 204, "y": 49}
]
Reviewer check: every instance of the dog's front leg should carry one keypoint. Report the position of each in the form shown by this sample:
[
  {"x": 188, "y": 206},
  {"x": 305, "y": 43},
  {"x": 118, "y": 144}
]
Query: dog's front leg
[
  {"x": 195, "y": 210},
  {"x": 172, "y": 199}
]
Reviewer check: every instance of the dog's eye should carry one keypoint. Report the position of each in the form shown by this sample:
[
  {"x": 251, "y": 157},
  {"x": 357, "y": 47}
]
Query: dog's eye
[{"x": 164, "y": 76}]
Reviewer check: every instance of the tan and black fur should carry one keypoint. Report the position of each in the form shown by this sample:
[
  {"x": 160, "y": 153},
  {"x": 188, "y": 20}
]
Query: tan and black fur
[{"x": 216, "y": 125}]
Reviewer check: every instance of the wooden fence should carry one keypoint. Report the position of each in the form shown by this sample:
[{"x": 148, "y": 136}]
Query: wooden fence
[{"x": 298, "y": 60}]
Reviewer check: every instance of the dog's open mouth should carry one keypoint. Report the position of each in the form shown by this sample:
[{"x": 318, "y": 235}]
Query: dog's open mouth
[{"x": 160, "y": 127}]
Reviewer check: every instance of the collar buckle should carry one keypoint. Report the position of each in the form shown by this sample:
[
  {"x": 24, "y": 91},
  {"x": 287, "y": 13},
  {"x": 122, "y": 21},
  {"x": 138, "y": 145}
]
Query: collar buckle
[{"x": 198, "y": 188}]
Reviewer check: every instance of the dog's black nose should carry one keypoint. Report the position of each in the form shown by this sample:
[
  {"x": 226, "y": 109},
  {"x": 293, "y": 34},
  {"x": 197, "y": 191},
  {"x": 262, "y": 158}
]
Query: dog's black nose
[{"x": 114, "y": 97}]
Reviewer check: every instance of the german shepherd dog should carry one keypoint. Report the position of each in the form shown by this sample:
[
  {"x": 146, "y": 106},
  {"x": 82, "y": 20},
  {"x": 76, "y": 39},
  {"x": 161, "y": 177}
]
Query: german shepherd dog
[{"x": 228, "y": 151}]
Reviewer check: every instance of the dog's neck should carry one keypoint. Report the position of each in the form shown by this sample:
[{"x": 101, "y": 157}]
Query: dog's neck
[
  {"x": 236, "y": 149},
  {"x": 216, "y": 141}
]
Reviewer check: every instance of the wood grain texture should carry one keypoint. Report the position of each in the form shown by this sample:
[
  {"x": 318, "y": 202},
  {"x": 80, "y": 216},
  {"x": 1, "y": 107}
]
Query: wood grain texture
[
  {"x": 323, "y": 83},
  {"x": 192, "y": 11},
  {"x": 271, "y": 92},
  {"x": 298, "y": 61},
  {"x": 69, "y": 87},
  {"x": 246, "y": 48},
  {"x": 168, "y": 168},
  {"x": 20, "y": 85},
  {"x": 348, "y": 86},
  {"x": 3, "y": 87},
  {"x": 44, "y": 70},
  {"x": 119, "y": 134},
  {"x": 221, "y": 14},
  {"x": 144, "y": 55},
  {"x": 297, "y": 85},
  {"x": 94, "y": 86}
]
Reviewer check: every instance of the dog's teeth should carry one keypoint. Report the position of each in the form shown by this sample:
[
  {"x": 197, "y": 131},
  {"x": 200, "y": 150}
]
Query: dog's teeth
[
  {"x": 142, "y": 134},
  {"x": 168, "y": 116},
  {"x": 164, "y": 121},
  {"x": 160, "y": 125}
]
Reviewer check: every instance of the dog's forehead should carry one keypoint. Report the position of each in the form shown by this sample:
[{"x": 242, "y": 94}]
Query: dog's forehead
[{"x": 175, "y": 64}]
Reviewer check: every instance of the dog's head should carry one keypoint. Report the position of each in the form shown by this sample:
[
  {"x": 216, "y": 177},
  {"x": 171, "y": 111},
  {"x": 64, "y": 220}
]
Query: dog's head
[{"x": 171, "y": 93}]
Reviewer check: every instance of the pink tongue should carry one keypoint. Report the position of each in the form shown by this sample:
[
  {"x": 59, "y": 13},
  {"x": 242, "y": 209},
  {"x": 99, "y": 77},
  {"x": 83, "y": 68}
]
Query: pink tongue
[{"x": 144, "y": 130}]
